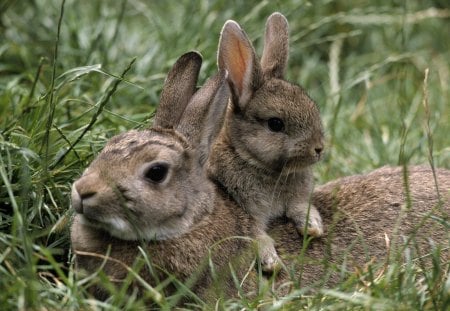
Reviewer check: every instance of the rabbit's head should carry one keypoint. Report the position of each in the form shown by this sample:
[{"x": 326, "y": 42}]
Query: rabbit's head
[
  {"x": 150, "y": 184},
  {"x": 272, "y": 123}
]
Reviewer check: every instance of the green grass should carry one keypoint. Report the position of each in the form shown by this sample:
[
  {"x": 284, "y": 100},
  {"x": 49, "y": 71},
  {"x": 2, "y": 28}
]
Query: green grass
[{"x": 72, "y": 78}]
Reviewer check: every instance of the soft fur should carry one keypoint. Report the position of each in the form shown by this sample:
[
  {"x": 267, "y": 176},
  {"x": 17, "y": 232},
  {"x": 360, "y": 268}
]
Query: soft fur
[
  {"x": 373, "y": 218},
  {"x": 267, "y": 170},
  {"x": 197, "y": 232},
  {"x": 118, "y": 206},
  {"x": 366, "y": 217}
]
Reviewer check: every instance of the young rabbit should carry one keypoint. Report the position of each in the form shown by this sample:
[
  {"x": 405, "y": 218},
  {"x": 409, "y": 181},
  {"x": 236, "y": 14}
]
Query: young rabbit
[
  {"x": 272, "y": 136},
  {"x": 147, "y": 188}
]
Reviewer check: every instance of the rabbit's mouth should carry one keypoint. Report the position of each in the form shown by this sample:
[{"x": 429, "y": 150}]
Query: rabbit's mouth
[
  {"x": 302, "y": 161},
  {"x": 94, "y": 223},
  {"x": 294, "y": 164},
  {"x": 122, "y": 229},
  {"x": 115, "y": 226}
]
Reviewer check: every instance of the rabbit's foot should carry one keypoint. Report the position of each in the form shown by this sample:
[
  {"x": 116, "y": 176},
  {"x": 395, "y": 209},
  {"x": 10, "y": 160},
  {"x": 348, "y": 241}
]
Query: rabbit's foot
[
  {"x": 315, "y": 226},
  {"x": 269, "y": 259}
]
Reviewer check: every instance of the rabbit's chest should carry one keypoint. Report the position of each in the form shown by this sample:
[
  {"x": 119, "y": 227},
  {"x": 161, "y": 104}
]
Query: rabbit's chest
[{"x": 269, "y": 198}]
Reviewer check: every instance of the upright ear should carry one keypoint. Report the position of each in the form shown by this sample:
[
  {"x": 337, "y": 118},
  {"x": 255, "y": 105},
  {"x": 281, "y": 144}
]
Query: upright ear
[
  {"x": 178, "y": 89},
  {"x": 237, "y": 56},
  {"x": 276, "y": 46},
  {"x": 205, "y": 114}
]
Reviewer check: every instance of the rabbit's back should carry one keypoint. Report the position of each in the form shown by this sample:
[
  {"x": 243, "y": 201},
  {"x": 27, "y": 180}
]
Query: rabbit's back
[{"x": 367, "y": 218}]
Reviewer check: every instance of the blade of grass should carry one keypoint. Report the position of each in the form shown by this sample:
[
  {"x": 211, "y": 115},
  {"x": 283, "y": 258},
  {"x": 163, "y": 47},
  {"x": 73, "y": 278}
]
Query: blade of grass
[{"x": 101, "y": 105}]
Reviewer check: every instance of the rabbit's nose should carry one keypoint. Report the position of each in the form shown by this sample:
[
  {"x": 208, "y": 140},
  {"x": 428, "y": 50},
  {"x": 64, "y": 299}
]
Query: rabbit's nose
[
  {"x": 80, "y": 194},
  {"x": 77, "y": 202},
  {"x": 318, "y": 150}
]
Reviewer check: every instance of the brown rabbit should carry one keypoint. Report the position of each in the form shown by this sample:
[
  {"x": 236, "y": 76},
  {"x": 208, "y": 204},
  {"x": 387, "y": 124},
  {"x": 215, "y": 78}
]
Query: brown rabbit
[
  {"x": 147, "y": 188},
  {"x": 272, "y": 136},
  {"x": 372, "y": 218},
  {"x": 365, "y": 216}
]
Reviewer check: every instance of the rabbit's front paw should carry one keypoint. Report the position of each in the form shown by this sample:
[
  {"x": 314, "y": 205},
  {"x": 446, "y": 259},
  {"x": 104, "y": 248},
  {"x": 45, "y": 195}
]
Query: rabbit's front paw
[
  {"x": 315, "y": 226},
  {"x": 270, "y": 262}
]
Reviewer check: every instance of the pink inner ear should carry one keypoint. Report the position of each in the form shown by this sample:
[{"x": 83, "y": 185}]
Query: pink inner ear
[{"x": 237, "y": 61}]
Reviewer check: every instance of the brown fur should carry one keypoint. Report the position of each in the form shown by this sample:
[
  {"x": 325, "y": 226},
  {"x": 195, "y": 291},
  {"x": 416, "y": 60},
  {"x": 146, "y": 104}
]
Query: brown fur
[
  {"x": 367, "y": 218},
  {"x": 118, "y": 202},
  {"x": 184, "y": 257},
  {"x": 268, "y": 171},
  {"x": 359, "y": 212}
]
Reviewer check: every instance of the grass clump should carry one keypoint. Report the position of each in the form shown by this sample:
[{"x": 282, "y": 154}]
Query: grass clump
[{"x": 73, "y": 74}]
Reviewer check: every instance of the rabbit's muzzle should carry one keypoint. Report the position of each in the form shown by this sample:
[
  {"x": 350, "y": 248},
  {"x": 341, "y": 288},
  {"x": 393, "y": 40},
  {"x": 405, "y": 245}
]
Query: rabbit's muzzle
[
  {"x": 318, "y": 151},
  {"x": 94, "y": 201},
  {"x": 85, "y": 194},
  {"x": 78, "y": 199}
]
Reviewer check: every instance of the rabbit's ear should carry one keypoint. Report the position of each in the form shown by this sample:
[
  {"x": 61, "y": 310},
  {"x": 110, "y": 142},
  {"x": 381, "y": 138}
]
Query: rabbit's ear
[
  {"x": 237, "y": 56},
  {"x": 276, "y": 46},
  {"x": 178, "y": 89},
  {"x": 205, "y": 113}
]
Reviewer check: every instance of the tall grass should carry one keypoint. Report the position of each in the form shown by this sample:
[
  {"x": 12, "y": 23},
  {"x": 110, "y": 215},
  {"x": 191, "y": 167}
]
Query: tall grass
[{"x": 74, "y": 73}]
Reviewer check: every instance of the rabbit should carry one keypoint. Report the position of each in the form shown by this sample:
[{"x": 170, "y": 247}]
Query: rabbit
[
  {"x": 371, "y": 218},
  {"x": 271, "y": 137},
  {"x": 364, "y": 217},
  {"x": 148, "y": 188},
  {"x": 193, "y": 231}
]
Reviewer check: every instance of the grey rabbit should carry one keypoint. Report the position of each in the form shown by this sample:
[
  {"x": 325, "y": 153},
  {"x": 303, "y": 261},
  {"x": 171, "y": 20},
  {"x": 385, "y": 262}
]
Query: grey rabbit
[{"x": 271, "y": 137}]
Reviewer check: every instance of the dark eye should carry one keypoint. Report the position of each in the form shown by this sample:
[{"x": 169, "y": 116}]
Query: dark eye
[
  {"x": 157, "y": 173},
  {"x": 275, "y": 124}
]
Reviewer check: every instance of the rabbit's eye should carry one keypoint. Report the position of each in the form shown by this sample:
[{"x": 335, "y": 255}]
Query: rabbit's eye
[
  {"x": 275, "y": 124},
  {"x": 156, "y": 173}
]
